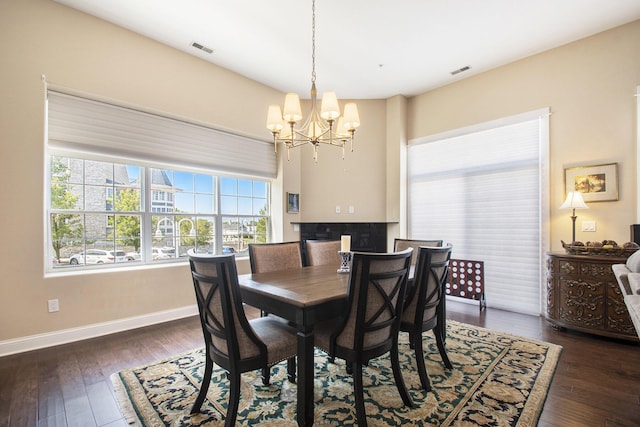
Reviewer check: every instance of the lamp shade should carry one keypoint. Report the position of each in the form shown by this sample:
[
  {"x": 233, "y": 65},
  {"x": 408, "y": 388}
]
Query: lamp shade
[
  {"x": 574, "y": 201},
  {"x": 329, "y": 109},
  {"x": 351, "y": 116},
  {"x": 292, "y": 111},
  {"x": 274, "y": 118}
]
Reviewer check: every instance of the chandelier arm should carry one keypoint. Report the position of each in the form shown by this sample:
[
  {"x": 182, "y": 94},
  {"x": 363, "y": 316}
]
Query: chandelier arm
[{"x": 324, "y": 138}]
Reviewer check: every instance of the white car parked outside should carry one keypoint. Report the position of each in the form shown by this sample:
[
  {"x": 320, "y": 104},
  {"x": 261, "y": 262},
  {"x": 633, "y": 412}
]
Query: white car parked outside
[
  {"x": 97, "y": 256},
  {"x": 163, "y": 253}
]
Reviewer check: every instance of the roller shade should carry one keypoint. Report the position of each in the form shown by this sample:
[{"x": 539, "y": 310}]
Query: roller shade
[
  {"x": 91, "y": 126},
  {"x": 481, "y": 190}
]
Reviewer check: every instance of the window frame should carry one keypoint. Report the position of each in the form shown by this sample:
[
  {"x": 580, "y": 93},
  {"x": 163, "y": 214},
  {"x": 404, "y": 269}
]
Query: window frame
[{"x": 146, "y": 212}]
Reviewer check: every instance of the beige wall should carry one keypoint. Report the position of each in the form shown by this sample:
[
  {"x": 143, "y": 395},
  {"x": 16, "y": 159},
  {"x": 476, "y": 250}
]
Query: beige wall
[
  {"x": 359, "y": 180},
  {"x": 589, "y": 86}
]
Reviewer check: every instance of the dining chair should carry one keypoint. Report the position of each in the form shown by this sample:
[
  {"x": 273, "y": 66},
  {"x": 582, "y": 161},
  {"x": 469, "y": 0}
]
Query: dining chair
[
  {"x": 370, "y": 326},
  {"x": 423, "y": 304},
  {"x": 402, "y": 244},
  {"x": 231, "y": 341},
  {"x": 267, "y": 257},
  {"x": 323, "y": 252}
]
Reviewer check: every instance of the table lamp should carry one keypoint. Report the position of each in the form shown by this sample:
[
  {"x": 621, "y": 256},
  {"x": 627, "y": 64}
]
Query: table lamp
[{"x": 574, "y": 201}]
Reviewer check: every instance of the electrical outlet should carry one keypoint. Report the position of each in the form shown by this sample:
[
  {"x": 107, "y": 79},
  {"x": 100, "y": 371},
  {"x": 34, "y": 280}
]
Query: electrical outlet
[
  {"x": 589, "y": 226},
  {"x": 351, "y": 209},
  {"x": 337, "y": 208},
  {"x": 53, "y": 305}
]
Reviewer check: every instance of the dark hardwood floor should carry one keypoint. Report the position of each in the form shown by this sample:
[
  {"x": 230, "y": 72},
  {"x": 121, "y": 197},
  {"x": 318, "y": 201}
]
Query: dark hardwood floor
[{"x": 597, "y": 382}]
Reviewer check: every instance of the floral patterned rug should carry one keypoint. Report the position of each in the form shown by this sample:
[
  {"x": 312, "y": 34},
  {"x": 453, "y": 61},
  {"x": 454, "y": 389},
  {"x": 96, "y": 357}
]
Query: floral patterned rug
[{"x": 497, "y": 380}]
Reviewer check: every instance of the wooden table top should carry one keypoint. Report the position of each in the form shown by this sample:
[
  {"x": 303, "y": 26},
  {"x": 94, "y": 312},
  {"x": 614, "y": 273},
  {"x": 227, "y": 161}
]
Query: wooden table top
[{"x": 299, "y": 287}]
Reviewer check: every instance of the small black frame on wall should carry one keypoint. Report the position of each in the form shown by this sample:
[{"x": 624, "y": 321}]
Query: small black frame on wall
[{"x": 293, "y": 202}]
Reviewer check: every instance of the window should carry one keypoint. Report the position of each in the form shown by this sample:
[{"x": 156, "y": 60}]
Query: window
[
  {"x": 140, "y": 207},
  {"x": 244, "y": 209},
  {"x": 98, "y": 215},
  {"x": 481, "y": 189}
]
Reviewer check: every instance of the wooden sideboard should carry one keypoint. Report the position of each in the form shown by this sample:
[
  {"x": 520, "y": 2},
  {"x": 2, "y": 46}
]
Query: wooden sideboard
[{"x": 582, "y": 294}]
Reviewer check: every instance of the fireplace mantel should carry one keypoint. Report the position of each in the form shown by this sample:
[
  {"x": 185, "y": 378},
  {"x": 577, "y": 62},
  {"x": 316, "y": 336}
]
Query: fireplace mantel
[{"x": 365, "y": 236}]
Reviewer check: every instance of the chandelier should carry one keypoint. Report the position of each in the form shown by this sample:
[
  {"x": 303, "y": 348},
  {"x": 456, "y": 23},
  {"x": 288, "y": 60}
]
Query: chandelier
[{"x": 324, "y": 127}]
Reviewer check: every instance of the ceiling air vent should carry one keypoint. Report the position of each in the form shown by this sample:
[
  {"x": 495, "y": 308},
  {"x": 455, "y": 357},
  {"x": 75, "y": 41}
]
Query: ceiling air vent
[
  {"x": 201, "y": 47},
  {"x": 460, "y": 70}
]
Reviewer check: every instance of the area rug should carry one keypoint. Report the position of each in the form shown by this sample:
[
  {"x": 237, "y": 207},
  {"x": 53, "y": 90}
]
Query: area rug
[{"x": 497, "y": 380}]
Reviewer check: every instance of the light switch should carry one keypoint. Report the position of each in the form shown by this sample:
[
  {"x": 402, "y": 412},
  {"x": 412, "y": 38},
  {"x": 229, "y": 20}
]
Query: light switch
[{"x": 588, "y": 226}]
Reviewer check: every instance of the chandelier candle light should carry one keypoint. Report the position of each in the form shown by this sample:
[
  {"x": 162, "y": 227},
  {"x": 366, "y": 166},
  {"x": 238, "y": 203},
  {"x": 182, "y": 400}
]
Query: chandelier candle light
[{"x": 326, "y": 127}]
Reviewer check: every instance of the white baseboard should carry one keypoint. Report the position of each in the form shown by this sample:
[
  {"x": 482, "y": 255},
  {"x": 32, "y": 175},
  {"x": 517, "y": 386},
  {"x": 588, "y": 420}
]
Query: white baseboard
[{"x": 64, "y": 336}]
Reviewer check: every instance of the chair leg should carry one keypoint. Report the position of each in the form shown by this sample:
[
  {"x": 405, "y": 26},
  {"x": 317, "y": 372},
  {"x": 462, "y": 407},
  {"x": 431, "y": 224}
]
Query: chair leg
[
  {"x": 234, "y": 400},
  {"x": 358, "y": 391},
  {"x": 411, "y": 340},
  {"x": 291, "y": 369},
  {"x": 204, "y": 387},
  {"x": 266, "y": 375},
  {"x": 416, "y": 337},
  {"x": 397, "y": 374},
  {"x": 442, "y": 350}
]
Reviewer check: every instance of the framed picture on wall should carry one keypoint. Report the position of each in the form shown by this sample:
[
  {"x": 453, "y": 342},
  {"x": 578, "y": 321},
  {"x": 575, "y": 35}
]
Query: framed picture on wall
[
  {"x": 293, "y": 202},
  {"x": 598, "y": 183}
]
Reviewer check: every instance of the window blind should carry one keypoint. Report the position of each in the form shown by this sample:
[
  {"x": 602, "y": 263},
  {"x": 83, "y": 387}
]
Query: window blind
[
  {"x": 91, "y": 126},
  {"x": 480, "y": 189}
]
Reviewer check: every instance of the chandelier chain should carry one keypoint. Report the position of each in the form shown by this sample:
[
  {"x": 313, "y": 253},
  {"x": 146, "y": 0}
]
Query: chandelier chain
[{"x": 313, "y": 41}]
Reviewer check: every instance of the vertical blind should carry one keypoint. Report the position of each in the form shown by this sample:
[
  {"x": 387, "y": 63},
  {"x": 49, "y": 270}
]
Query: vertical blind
[
  {"x": 86, "y": 125},
  {"x": 480, "y": 189}
]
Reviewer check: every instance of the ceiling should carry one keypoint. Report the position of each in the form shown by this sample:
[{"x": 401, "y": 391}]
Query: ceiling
[{"x": 365, "y": 49}]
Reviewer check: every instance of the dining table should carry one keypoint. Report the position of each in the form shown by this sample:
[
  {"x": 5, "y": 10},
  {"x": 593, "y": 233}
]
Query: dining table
[{"x": 305, "y": 297}]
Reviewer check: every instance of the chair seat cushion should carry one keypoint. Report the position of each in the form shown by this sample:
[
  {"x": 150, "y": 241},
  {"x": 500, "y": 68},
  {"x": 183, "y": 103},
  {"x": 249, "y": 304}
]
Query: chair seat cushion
[{"x": 278, "y": 336}]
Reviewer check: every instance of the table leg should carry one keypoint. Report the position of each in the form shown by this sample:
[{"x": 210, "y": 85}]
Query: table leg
[{"x": 305, "y": 376}]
